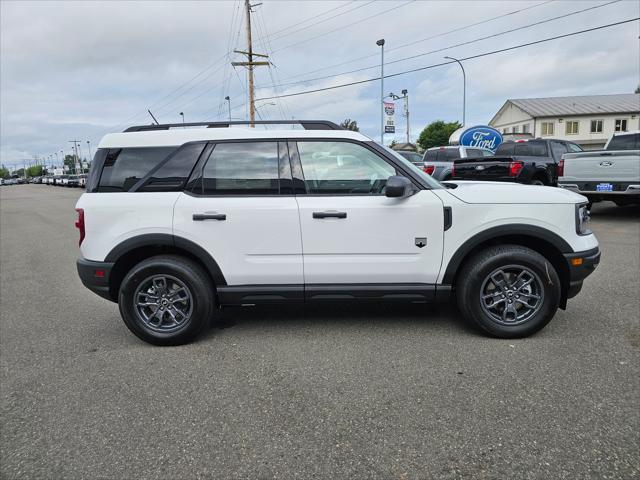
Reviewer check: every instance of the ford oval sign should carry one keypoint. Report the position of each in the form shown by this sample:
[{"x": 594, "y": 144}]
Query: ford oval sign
[{"x": 483, "y": 137}]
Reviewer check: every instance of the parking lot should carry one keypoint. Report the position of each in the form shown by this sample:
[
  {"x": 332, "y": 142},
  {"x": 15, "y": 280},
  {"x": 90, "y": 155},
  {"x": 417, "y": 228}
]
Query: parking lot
[{"x": 377, "y": 391}]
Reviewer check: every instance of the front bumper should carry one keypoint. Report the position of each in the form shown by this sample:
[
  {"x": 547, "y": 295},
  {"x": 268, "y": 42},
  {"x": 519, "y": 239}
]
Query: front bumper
[
  {"x": 581, "y": 265},
  {"x": 95, "y": 276}
]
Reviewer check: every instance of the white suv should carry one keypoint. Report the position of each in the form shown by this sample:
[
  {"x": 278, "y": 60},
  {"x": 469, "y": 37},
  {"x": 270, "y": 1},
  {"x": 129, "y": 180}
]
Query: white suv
[{"x": 177, "y": 223}]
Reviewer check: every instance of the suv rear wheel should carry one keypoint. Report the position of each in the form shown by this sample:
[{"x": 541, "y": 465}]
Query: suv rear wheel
[
  {"x": 166, "y": 300},
  {"x": 509, "y": 291}
]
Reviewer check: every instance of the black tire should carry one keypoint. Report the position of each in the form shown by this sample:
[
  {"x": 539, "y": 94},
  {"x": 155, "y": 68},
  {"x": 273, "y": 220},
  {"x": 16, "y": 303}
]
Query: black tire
[
  {"x": 537, "y": 181},
  {"x": 474, "y": 277},
  {"x": 176, "y": 268}
]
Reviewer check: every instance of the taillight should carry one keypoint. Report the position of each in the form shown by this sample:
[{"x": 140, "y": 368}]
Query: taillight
[
  {"x": 80, "y": 224},
  {"x": 515, "y": 168},
  {"x": 429, "y": 169},
  {"x": 561, "y": 168}
]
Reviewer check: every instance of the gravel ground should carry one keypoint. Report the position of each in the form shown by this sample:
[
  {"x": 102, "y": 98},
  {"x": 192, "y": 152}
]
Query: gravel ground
[{"x": 389, "y": 392}]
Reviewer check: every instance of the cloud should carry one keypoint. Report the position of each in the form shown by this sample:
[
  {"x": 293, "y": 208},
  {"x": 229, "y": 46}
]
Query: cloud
[{"x": 82, "y": 69}]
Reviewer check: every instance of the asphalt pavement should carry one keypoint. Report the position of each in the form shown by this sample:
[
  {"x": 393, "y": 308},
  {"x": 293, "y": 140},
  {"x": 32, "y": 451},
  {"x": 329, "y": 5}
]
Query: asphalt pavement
[{"x": 377, "y": 391}]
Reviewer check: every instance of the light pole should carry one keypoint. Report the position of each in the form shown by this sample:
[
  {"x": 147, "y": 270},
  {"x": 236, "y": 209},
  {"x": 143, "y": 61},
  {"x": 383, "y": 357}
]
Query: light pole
[
  {"x": 464, "y": 90},
  {"x": 380, "y": 43},
  {"x": 229, "y": 103},
  {"x": 89, "y": 148},
  {"x": 182, "y": 115},
  {"x": 62, "y": 157},
  {"x": 80, "y": 158}
]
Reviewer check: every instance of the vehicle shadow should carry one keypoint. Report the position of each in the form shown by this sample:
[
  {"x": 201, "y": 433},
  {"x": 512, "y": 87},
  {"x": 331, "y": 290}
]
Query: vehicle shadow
[
  {"x": 341, "y": 316},
  {"x": 610, "y": 211}
]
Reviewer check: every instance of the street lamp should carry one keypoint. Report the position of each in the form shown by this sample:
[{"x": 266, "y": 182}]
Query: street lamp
[
  {"x": 89, "y": 148},
  {"x": 464, "y": 89},
  {"x": 380, "y": 43},
  {"x": 229, "y": 102},
  {"x": 182, "y": 115}
]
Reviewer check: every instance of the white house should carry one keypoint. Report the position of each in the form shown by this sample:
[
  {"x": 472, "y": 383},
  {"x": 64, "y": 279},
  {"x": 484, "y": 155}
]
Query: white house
[{"x": 586, "y": 120}]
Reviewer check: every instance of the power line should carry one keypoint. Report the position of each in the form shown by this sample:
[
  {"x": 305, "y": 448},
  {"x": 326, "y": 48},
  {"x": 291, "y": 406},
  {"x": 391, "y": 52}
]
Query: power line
[
  {"x": 427, "y": 38},
  {"x": 278, "y": 37},
  {"x": 344, "y": 26},
  {"x": 468, "y": 42},
  {"x": 493, "y": 52}
]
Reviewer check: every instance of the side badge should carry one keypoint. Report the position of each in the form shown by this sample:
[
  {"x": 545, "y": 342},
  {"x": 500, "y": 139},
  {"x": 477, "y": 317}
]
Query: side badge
[{"x": 421, "y": 242}]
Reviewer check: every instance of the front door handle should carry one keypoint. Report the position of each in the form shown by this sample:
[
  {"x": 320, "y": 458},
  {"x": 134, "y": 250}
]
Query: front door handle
[
  {"x": 209, "y": 216},
  {"x": 329, "y": 214}
]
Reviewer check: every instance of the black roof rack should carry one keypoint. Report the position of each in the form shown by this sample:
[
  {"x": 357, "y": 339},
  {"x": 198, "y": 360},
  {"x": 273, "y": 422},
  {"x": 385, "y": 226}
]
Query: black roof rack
[{"x": 306, "y": 124}]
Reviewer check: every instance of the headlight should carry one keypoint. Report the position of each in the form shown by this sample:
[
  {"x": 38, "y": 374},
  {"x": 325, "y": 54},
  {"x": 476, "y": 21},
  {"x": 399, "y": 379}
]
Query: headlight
[{"x": 582, "y": 219}]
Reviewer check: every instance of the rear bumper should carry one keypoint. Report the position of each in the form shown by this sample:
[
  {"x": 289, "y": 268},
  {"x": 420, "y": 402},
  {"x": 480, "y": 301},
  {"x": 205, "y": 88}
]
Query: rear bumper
[
  {"x": 95, "y": 276},
  {"x": 590, "y": 188},
  {"x": 588, "y": 261}
]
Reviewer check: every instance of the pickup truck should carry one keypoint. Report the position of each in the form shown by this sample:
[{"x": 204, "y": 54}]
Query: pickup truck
[
  {"x": 438, "y": 161},
  {"x": 610, "y": 174},
  {"x": 533, "y": 161}
]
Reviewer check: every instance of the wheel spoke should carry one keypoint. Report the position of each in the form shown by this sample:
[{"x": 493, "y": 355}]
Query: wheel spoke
[
  {"x": 163, "y": 303},
  {"x": 500, "y": 284}
]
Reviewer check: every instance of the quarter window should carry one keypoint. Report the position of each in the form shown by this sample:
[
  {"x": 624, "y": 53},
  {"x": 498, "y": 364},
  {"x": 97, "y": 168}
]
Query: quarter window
[
  {"x": 338, "y": 168},
  {"x": 525, "y": 128},
  {"x": 242, "y": 168},
  {"x": 621, "y": 125},
  {"x": 172, "y": 174},
  {"x": 571, "y": 128},
  {"x": 125, "y": 167},
  {"x": 547, "y": 128},
  {"x": 596, "y": 126}
]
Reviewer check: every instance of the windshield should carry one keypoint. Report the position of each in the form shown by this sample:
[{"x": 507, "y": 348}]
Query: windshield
[
  {"x": 428, "y": 179},
  {"x": 625, "y": 142}
]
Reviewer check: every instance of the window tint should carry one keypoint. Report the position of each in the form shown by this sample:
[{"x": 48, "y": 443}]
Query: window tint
[
  {"x": 342, "y": 168},
  {"x": 474, "y": 152},
  {"x": 506, "y": 148},
  {"x": 172, "y": 174},
  {"x": 124, "y": 167},
  {"x": 431, "y": 156},
  {"x": 95, "y": 169},
  {"x": 487, "y": 153},
  {"x": 625, "y": 142},
  {"x": 243, "y": 168},
  {"x": 558, "y": 149},
  {"x": 531, "y": 149}
]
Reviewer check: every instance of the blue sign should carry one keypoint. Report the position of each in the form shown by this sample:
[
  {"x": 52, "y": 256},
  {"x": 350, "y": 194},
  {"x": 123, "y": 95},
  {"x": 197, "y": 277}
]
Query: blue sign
[{"x": 481, "y": 136}]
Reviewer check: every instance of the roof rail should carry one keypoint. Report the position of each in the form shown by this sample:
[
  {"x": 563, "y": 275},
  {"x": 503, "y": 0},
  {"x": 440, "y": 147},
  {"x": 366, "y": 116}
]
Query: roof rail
[{"x": 306, "y": 124}]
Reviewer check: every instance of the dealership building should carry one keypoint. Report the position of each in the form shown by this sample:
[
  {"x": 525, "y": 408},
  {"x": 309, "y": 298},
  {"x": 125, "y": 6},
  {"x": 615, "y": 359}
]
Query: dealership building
[{"x": 588, "y": 121}]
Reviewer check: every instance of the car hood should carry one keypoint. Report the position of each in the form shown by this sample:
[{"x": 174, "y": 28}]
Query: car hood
[{"x": 500, "y": 192}]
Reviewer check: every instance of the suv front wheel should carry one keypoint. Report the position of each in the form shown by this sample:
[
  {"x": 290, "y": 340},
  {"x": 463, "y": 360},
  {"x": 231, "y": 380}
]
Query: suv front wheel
[
  {"x": 166, "y": 300},
  {"x": 509, "y": 291}
]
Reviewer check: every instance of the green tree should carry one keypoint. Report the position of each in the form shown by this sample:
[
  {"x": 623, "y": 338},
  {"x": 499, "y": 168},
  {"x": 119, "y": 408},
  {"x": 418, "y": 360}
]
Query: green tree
[
  {"x": 350, "y": 125},
  {"x": 637, "y": 89},
  {"x": 4, "y": 172},
  {"x": 35, "y": 171},
  {"x": 393, "y": 143},
  {"x": 437, "y": 133},
  {"x": 70, "y": 162}
]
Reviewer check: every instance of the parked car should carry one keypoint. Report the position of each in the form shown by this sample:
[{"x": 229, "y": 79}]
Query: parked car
[
  {"x": 82, "y": 180},
  {"x": 610, "y": 174},
  {"x": 532, "y": 161},
  {"x": 73, "y": 181},
  {"x": 438, "y": 161},
  {"x": 62, "y": 180},
  {"x": 181, "y": 222},
  {"x": 413, "y": 157}
]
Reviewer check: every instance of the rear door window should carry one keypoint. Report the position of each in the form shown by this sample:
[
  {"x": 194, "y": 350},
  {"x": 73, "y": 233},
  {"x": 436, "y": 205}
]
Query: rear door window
[
  {"x": 124, "y": 167},
  {"x": 431, "y": 156},
  {"x": 173, "y": 173},
  {"x": 242, "y": 168}
]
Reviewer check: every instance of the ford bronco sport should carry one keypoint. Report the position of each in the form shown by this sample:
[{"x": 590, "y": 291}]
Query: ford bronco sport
[{"x": 179, "y": 221}]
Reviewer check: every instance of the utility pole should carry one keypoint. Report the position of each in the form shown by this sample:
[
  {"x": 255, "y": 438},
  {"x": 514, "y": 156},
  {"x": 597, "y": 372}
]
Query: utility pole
[
  {"x": 250, "y": 63},
  {"x": 405, "y": 92},
  {"x": 75, "y": 154}
]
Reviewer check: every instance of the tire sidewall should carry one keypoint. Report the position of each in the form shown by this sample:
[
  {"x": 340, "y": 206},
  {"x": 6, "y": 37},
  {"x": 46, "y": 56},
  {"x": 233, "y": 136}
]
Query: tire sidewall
[
  {"x": 186, "y": 273},
  {"x": 531, "y": 260}
]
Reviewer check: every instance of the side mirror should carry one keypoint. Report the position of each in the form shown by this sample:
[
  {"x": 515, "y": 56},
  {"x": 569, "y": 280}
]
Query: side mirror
[{"x": 398, "y": 187}]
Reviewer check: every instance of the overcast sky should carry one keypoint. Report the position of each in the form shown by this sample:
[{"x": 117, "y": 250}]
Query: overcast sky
[{"x": 78, "y": 70}]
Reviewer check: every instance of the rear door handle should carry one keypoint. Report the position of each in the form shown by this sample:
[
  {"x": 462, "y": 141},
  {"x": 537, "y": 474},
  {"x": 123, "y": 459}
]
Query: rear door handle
[
  {"x": 329, "y": 214},
  {"x": 209, "y": 216}
]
